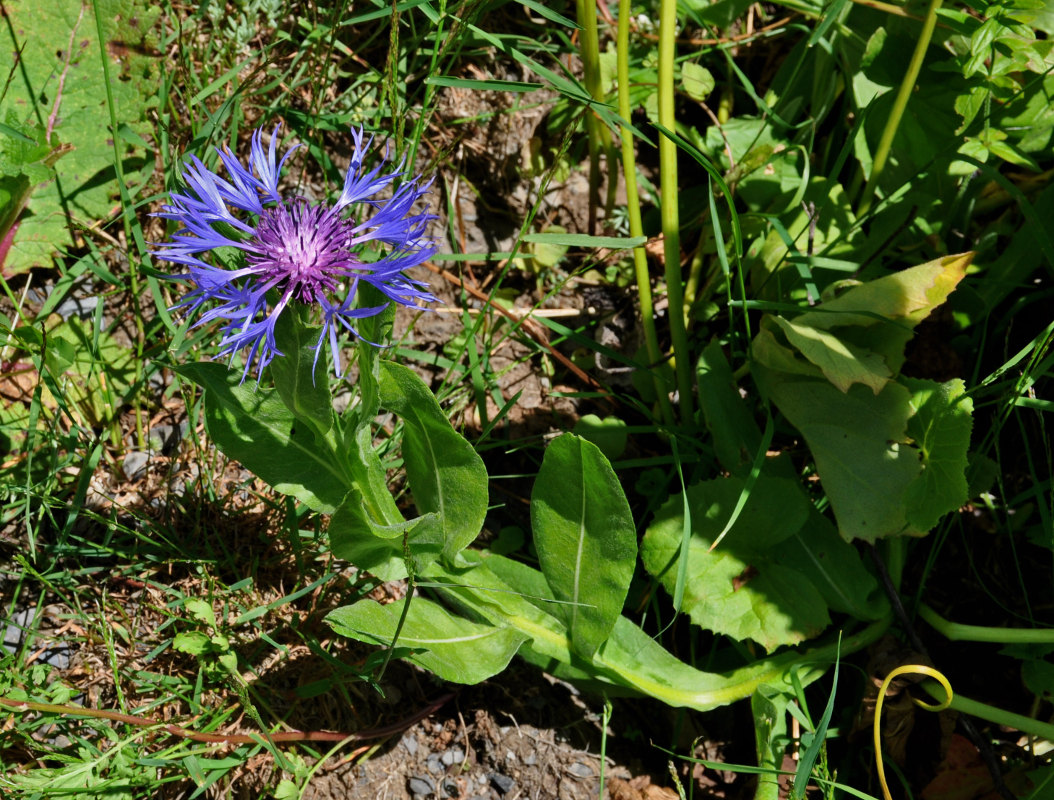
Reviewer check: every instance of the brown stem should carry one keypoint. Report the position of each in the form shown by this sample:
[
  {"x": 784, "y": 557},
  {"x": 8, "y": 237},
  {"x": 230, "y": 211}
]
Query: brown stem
[{"x": 230, "y": 738}]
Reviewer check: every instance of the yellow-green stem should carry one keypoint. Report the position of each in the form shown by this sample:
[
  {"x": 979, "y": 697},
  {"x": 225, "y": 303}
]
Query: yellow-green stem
[
  {"x": 670, "y": 217},
  {"x": 599, "y": 137},
  {"x": 907, "y": 85},
  {"x": 1007, "y": 719},
  {"x": 636, "y": 228},
  {"x": 958, "y": 632}
]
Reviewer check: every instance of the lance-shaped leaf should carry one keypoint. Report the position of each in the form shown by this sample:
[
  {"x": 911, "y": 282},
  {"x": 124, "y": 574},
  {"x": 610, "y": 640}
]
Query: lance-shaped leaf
[
  {"x": 254, "y": 427},
  {"x": 301, "y": 378},
  {"x": 357, "y": 537},
  {"x": 586, "y": 541},
  {"x": 446, "y": 474},
  {"x": 454, "y": 648}
]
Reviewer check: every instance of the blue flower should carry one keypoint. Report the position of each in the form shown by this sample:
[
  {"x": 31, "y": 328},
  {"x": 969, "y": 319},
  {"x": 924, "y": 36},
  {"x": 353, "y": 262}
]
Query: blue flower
[{"x": 289, "y": 250}]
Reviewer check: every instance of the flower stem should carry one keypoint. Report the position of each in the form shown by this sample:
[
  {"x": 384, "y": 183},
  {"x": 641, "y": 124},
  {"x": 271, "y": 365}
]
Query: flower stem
[
  {"x": 636, "y": 228},
  {"x": 670, "y": 217},
  {"x": 1008, "y": 719},
  {"x": 957, "y": 632},
  {"x": 599, "y": 137},
  {"x": 907, "y": 85}
]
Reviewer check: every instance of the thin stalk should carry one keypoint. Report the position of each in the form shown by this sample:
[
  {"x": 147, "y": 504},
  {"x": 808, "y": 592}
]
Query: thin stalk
[
  {"x": 957, "y": 632},
  {"x": 636, "y": 228},
  {"x": 907, "y": 85},
  {"x": 599, "y": 137},
  {"x": 126, "y": 217},
  {"x": 671, "y": 230},
  {"x": 430, "y": 90},
  {"x": 1007, "y": 719}
]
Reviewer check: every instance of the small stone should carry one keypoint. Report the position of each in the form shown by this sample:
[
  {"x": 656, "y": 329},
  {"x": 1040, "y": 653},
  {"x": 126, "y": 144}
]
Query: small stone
[
  {"x": 409, "y": 741},
  {"x": 82, "y": 307},
  {"x": 448, "y": 788},
  {"x": 580, "y": 770},
  {"x": 134, "y": 464},
  {"x": 421, "y": 784},
  {"x": 503, "y": 783},
  {"x": 434, "y": 763},
  {"x": 455, "y": 755},
  {"x": 530, "y": 759}
]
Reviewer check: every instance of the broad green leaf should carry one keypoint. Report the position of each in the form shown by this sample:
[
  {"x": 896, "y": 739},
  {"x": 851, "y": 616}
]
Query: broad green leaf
[
  {"x": 451, "y": 646},
  {"x": 60, "y": 79},
  {"x": 253, "y": 426},
  {"x": 357, "y": 537},
  {"x": 842, "y": 363},
  {"x": 888, "y": 308},
  {"x": 834, "y": 568},
  {"x": 742, "y": 588},
  {"x": 301, "y": 381},
  {"x": 586, "y": 540},
  {"x": 941, "y": 429},
  {"x": 446, "y": 474},
  {"x": 629, "y": 658},
  {"x": 696, "y": 81},
  {"x": 482, "y": 593},
  {"x": 733, "y": 431},
  {"x": 860, "y": 443},
  {"x": 609, "y": 433},
  {"x": 373, "y": 330}
]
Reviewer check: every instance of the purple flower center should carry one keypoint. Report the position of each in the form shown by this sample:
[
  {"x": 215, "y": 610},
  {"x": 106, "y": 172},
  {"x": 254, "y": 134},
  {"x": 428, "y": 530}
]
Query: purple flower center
[{"x": 303, "y": 249}]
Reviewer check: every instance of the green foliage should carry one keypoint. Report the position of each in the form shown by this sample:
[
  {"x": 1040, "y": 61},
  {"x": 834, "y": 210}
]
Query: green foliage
[
  {"x": 586, "y": 541},
  {"x": 832, "y": 371},
  {"x": 55, "y": 97}
]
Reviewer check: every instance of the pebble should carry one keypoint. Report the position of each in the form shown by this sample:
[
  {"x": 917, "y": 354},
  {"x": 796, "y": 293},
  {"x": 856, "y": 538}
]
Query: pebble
[
  {"x": 434, "y": 763},
  {"x": 580, "y": 770},
  {"x": 455, "y": 755},
  {"x": 134, "y": 464},
  {"x": 80, "y": 306},
  {"x": 410, "y": 743},
  {"x": 421, "y": 784},
  {"x": 503, "y": 783}
]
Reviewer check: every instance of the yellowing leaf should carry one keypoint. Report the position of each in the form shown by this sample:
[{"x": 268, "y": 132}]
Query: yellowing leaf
[{"x": 843, "y": 364}]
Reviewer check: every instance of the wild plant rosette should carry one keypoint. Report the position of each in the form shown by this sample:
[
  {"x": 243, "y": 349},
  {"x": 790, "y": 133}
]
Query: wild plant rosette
[{"x": 287, "y": 249}]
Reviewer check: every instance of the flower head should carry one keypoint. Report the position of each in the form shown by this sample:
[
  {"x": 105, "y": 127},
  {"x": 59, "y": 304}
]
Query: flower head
[{"x": 289, "y": 250}]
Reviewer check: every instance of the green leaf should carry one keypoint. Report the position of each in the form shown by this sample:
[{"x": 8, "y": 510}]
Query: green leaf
[
  {"x": 886, "y": 310},
  {"x": 193, "y": 643},
  {"x": 60, "y": 73},
  {"x": 358, "y": 538},
  {"x": 834, "y": 569},
  {"x": 451, "y": 646},
  {"x": 742, "y": 588},
  {"x": 859, "y": 440},
  {"x": 253, "y": 426},
  {"x": 556, "y": 236},
  {"x": 843, "y": 364},
  {"x": 302, "y": 383},
  {"x": 696, "y": 81},
  {"x": 586, "y": 540},
  {"x": 733, "y": 431},
  {"x": 446, "y": 474},
  {"x": 609, "y": 434},
  {"x": 201, "y": 610},
  {"x": 941, "y": 429}
]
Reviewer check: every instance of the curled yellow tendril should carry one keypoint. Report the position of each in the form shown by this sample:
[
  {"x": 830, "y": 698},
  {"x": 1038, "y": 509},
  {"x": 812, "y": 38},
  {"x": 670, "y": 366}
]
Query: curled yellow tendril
[{"x": 920, "y": 669}]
